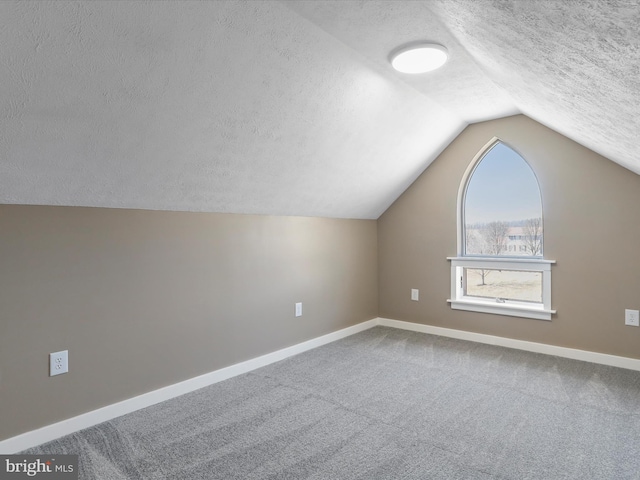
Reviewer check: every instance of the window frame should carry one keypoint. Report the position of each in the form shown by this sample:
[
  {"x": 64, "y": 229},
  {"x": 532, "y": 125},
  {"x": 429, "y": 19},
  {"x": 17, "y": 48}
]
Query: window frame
[{"x": 460, "y": 301}]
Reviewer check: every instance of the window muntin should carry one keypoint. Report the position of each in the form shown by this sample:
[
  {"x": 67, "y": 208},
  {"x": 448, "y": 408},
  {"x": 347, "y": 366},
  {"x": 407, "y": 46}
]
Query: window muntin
[{"x": 487, "y": 200}]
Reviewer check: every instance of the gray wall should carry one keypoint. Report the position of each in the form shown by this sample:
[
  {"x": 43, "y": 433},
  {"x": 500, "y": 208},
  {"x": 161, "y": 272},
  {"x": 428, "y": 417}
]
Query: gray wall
[
  {"x": 591, "y": 227},
  {"x": 144, "y": 299}
]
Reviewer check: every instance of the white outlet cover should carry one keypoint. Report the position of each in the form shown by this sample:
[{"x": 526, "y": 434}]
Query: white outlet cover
[
  {"x": 632, "y": 317},
  {"x": 415, "y": 294},
  {"x": 299, "y": 309},
  {"x": 58, "y": 363}
]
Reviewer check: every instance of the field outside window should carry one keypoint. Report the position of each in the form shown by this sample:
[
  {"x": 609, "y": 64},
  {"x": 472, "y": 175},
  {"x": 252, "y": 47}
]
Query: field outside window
[{"x": 507, "y": 285}]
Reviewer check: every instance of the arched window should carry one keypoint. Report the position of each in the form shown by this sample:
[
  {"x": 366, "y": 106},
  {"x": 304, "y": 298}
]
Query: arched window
[
  {"x": 502, "y": 207},
  {"x": 500, "y": 266}
]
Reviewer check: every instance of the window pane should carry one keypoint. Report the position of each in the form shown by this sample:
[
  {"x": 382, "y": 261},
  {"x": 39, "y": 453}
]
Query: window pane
[
  {"x": 514, "y": 285},
  {"x": 502, "y": 207}
]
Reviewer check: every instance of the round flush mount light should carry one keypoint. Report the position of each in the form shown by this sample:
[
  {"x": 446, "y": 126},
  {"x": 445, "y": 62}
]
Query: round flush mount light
[{"x": 419, "y": 58}]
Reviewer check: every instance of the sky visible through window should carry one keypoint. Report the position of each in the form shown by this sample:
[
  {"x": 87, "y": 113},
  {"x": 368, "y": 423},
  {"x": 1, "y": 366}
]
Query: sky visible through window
[{"x": 503, "y": 188}]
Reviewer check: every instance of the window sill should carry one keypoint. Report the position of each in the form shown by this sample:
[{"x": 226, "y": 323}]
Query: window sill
[{"x": 512, "y": 310}]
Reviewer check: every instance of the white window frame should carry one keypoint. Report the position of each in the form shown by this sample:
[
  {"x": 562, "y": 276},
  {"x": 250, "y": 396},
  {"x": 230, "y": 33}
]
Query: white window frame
[{"x": 460, "y": 301}]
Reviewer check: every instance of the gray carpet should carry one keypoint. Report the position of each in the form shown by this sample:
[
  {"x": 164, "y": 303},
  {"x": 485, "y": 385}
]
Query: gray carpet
[{"x": 383, "y": 404}]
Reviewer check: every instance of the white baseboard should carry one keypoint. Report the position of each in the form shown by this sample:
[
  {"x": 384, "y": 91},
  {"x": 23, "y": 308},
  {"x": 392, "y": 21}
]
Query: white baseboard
[
  {"x": 575, "y": 354},
  {"x": 89, "y": 419}
]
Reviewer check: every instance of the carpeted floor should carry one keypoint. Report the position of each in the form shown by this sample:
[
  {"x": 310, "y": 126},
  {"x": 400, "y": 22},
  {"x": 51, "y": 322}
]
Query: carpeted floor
[{"x": 383, "y": 404}]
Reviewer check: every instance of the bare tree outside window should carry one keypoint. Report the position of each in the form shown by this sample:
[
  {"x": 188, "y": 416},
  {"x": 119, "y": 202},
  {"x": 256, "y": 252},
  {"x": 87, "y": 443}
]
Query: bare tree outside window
[
  {"x": 533, "y": 236},
  {"x": 493, "y": 241},
  {"x": 486, "y": 239},
  {"x": 474, "y": 244},
  {"x": 494, "y": 235}
]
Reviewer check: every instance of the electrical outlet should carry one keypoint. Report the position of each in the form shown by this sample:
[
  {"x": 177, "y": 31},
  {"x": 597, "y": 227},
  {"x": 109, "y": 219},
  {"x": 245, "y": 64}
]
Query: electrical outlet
[
  {"x": 58, "y": 363},
  {"x": 299, "y": 309},
  {"x": 632, "y": 317},
  {"x": 415, "y": 294}
]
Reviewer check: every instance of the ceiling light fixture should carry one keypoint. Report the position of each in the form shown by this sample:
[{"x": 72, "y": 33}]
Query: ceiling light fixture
[{"x": 419, "y": 58}]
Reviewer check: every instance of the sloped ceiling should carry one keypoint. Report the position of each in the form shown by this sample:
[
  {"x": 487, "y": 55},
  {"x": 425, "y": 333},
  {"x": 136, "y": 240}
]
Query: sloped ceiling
[{"x": 291, "y": 108}]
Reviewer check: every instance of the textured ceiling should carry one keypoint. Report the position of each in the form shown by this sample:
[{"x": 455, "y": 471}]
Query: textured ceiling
[
  {"x": 291, "y": 108},
  {"x": 573, "y": 65}
]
